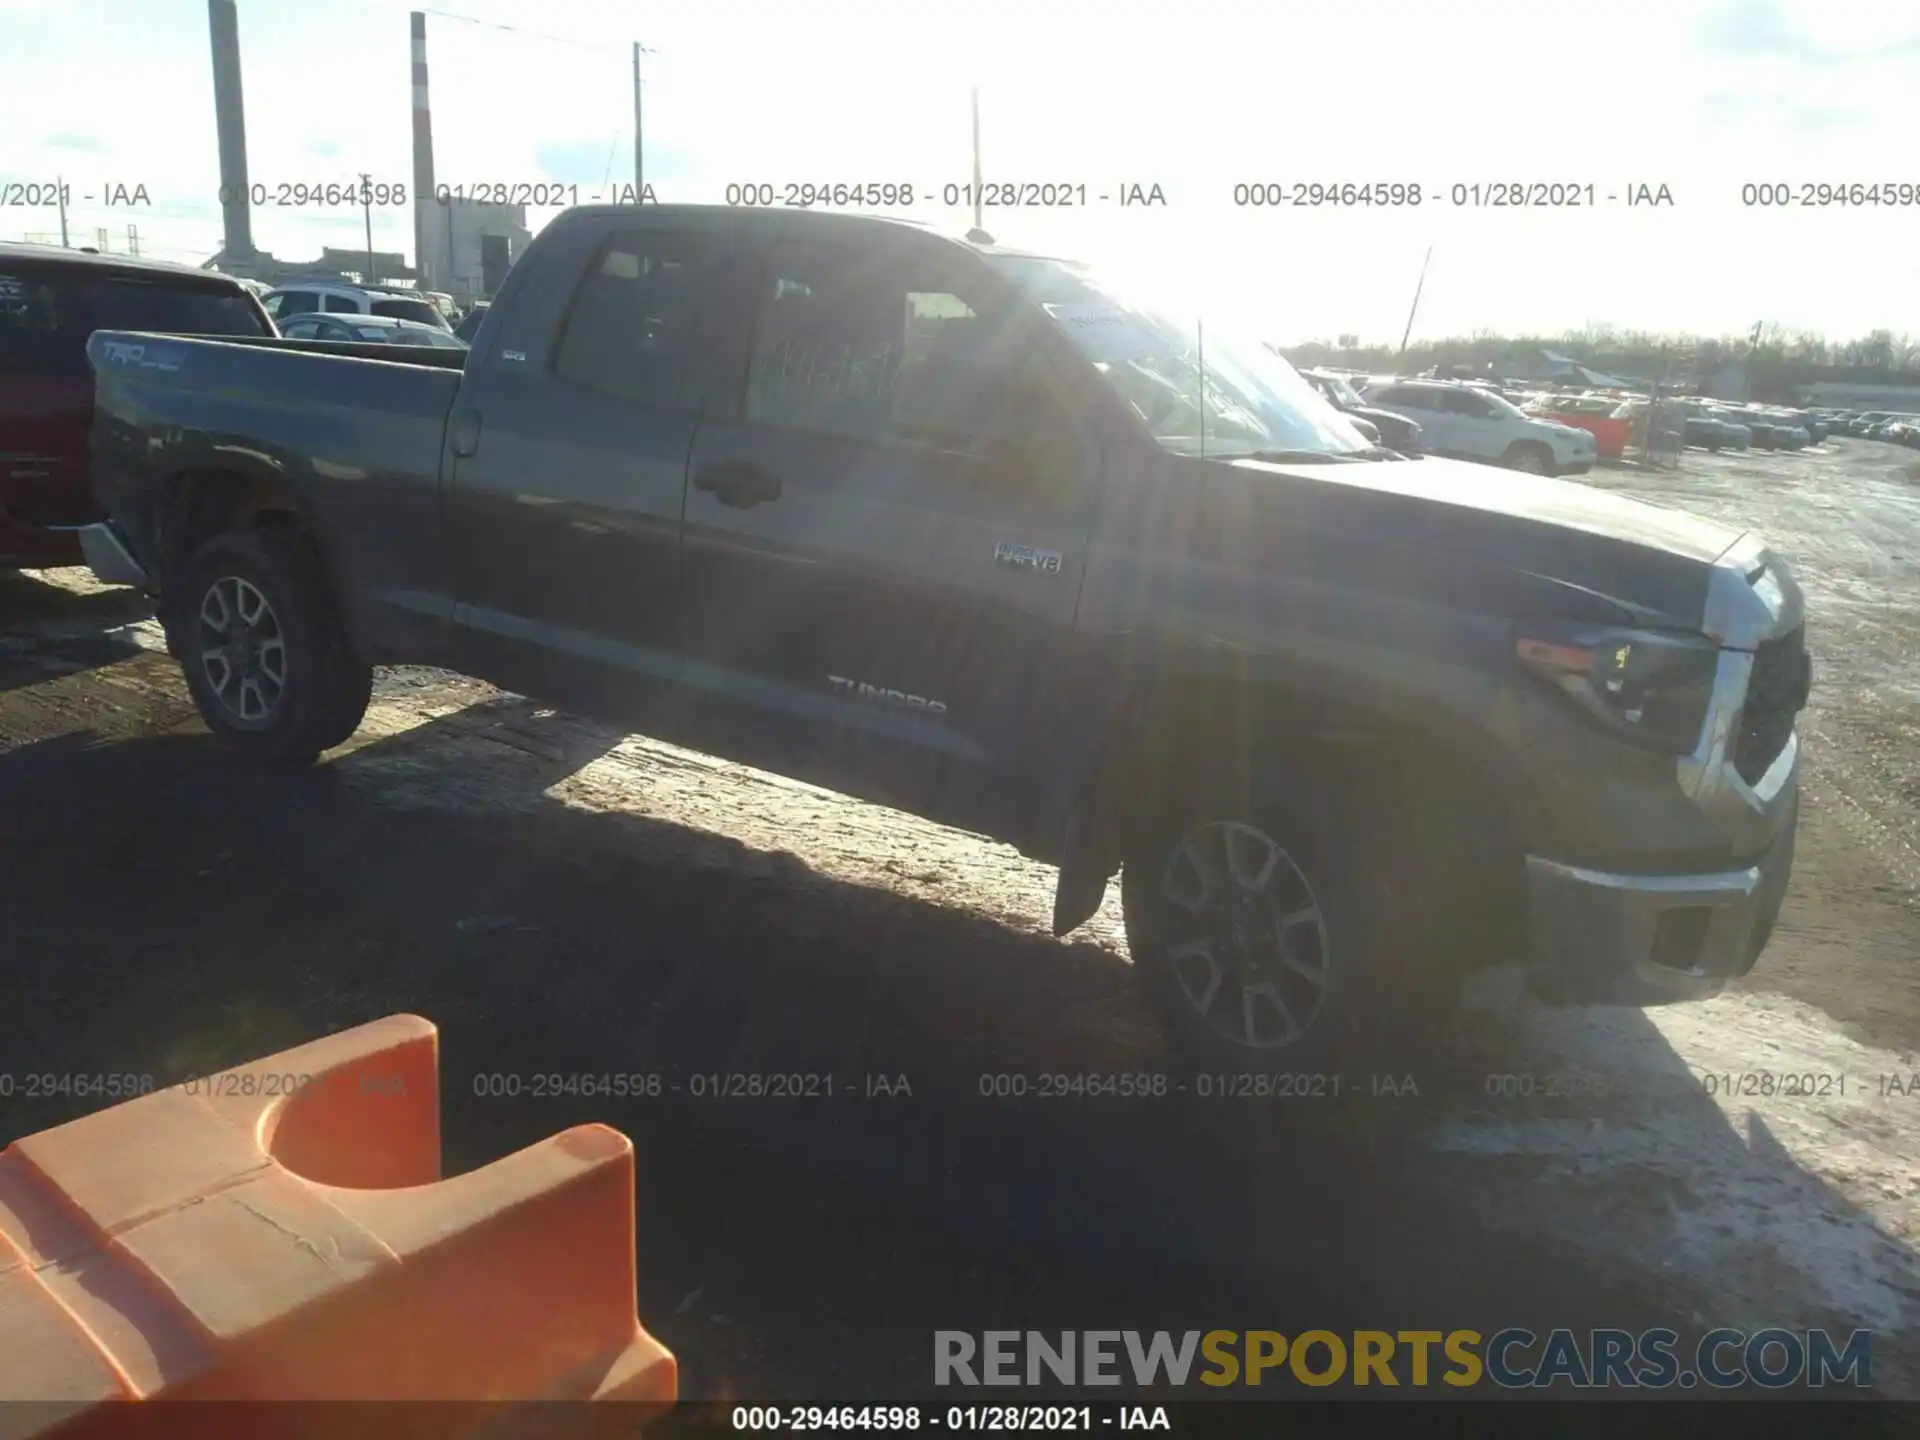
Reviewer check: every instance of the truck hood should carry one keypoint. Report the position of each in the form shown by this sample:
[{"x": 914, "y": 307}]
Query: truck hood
[{"x": 1445, "y": 522}]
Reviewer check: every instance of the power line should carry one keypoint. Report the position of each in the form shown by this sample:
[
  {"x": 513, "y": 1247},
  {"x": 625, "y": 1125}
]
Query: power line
[{"x": 538, "y": 34}]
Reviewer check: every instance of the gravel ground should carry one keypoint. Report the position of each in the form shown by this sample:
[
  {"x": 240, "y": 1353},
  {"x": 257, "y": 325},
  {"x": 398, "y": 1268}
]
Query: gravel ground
[{"x": 560, "y": 897}]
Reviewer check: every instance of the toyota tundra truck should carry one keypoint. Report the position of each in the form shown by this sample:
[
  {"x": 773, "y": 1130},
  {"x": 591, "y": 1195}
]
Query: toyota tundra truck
[{"x": 991, "y": 537}]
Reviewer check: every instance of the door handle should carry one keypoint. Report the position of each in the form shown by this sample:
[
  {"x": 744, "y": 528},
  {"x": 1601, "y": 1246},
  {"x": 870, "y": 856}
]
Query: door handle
[{"x": 738, "y": 483}]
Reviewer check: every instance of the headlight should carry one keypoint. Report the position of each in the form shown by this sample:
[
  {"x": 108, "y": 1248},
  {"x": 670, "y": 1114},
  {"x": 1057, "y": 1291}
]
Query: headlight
[{"x": 1649, "y": 687}]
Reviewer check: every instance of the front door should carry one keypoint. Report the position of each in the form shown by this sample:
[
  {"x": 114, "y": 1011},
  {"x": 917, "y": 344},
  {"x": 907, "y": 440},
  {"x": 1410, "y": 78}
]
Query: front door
[
  {"x": 1477, "y": 429},
  {"x": 887, "y": 542}
]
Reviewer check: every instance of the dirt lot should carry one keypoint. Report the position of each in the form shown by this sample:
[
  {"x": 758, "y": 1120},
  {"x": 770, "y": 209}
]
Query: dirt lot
[{"x": 558, "y": 897}]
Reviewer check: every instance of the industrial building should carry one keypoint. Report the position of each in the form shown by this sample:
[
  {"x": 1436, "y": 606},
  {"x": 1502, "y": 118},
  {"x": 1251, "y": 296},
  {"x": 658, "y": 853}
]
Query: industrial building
[{"x": 460, "y": 249}]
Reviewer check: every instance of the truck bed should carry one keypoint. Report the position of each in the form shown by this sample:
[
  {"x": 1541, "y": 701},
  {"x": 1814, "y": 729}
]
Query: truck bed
[{"x": 354, "y": 431}]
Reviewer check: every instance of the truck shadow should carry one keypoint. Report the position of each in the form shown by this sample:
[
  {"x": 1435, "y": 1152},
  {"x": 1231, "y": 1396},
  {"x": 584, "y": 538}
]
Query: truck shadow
[{"x": 188, "y": 914}]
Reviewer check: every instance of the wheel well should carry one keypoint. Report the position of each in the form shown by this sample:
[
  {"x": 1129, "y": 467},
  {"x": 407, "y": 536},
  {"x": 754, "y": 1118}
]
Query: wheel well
[
  {"x": 1449, "y": 794},
  {"x": 196, "y": 506}
]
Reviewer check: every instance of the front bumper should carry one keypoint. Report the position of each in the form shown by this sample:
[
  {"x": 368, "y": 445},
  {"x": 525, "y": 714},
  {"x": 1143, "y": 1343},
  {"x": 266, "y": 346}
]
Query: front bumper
[
  {"x": 1601, "y": 936},
  {"x": 1605, "y": 939}
]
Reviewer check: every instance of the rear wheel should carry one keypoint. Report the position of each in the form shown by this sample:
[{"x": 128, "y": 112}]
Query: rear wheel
[
  {"x": 1531, "y": 457},
  {"x": 265, "y": 653}
]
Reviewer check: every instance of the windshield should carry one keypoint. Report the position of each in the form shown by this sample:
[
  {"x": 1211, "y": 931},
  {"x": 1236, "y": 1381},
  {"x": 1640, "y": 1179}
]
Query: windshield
[
  {"x": 1249, "y": 400},
  {"x": 1335, "y": 388}
]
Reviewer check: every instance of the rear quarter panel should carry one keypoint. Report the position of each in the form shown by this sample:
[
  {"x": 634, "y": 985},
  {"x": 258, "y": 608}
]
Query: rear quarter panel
[{"x": 353, "y": 445}]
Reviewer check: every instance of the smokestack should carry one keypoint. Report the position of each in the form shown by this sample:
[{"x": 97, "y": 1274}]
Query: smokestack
[
  {"x": 230, "y": 121},
  {"x": 423, "y": 200}
]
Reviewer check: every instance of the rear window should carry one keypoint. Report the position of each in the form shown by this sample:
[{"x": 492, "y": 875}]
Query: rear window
[
  {"x": 45, "y": 318},
  {"x": 408, "y": 310}
]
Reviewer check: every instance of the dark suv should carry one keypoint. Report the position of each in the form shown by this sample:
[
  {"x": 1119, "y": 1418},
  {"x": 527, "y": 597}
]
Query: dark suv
[{"x": 50, "y": 302}]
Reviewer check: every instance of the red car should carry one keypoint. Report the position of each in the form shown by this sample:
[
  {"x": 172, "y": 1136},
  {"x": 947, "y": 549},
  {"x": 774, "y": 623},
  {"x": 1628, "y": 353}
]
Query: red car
[
  {"x": 1608, "y": 420},
  {"x": 51, "y": 300}
]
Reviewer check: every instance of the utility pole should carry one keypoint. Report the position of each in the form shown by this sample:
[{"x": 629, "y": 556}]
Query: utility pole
[
  {"x": 1414, "y": 308},
  {"x": 60, "y": 188},
  {"x": 640, "y": 158},
  {"x": 366, "y": 204},
  {"x": 976, "y": 159}
]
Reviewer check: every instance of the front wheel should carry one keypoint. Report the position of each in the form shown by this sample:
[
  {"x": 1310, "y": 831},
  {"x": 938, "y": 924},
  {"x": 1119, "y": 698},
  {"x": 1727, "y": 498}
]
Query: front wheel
[
  {"x": 1531, "y": 458},
  {"x": 1272, "y": 930},
  {"x": 265, "y": 654}
]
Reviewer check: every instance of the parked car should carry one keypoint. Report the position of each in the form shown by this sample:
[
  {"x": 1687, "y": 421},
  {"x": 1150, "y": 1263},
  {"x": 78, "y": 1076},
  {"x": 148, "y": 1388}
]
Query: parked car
[
  {"x": 1815, "y": 427},
  {"x": 1608, "y": 420},
  {"x": 1796, "y": 436},
  {"x": 338, "y": 298},
  {"x": 1669, "y": 433},
  {"x": 1343, "y": 723},
  {"x": 1767, "y": 433},
  {"x": 370, "y": 329},
  {"x": 1471, "y": 424},
  {"x": 1711, "y": 431},
  {"x": 50, "y": 301},
  {"x": 1394, "y": 431}
]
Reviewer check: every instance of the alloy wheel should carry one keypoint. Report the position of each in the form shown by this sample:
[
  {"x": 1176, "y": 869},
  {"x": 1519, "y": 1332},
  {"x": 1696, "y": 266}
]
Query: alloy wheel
[
  {"x": 243, "y": 651},
  {"x": 1247, "y": 941}
]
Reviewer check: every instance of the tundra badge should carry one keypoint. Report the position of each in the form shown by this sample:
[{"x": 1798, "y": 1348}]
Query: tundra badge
[
  {"x": 881, "y": 695},
  {"x": 1025, "y": 557}
]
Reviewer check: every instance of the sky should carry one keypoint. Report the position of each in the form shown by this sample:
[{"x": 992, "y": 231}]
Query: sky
[{"x": 1703, "y": 97}]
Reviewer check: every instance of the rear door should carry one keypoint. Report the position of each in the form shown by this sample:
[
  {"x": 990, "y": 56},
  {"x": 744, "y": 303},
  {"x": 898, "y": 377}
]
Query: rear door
[
  {"x": 1421, "y": 404},
  {"x": 569, "y": 477},
  {"x": 886, "y": 545}
]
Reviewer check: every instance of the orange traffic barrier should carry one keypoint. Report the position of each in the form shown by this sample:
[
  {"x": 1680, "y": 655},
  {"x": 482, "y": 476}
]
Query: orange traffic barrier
[{"x": 280, "y": 1232}]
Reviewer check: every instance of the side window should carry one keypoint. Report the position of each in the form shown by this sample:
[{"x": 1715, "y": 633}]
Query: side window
[
  {"x": 1465, "y": 402},
  {"x": 39, "y": 332},
  {"x": 341, "y": 305},
  {"x": 886, "y": 353},
  {"x": 298, "y": 302},
  {"x": 273, "y": 304},
  {"x": 1406, "y": 397},
  {"x": 631, "y": 332}
]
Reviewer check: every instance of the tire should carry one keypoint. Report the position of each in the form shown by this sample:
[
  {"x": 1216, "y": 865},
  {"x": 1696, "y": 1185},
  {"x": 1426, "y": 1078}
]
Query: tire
[
  {"x": 1529, "y": 457},
  {"x": 271, "y": 582},
  {"x": 1346, "y": 907}
]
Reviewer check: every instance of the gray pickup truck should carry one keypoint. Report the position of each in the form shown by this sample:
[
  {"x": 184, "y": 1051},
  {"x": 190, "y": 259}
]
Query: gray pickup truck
[{"x": 982, "y": 535}]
